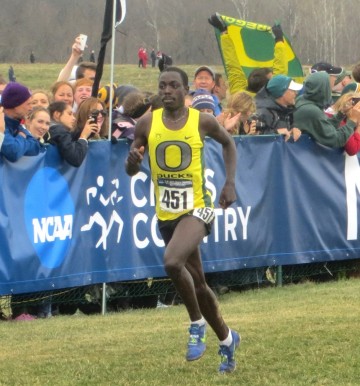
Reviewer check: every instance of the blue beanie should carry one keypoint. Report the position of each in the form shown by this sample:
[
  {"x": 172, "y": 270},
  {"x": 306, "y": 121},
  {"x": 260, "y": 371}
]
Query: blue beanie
[
  {"x": 14, "y": 95},
  {"x": 202, "y": 99}
]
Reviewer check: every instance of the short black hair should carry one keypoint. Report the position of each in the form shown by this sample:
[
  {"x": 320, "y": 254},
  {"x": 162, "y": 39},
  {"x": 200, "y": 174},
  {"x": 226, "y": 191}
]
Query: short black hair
[
  {"x": 57, "y": 106},
  {"x": 79, "y": 74},
  {"x": 258, "y": 78},
  {"x": 182, "y": 73}
]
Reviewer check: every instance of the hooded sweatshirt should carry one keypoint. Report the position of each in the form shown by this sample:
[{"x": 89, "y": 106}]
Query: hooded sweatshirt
[{"x": 310, "y": 118}]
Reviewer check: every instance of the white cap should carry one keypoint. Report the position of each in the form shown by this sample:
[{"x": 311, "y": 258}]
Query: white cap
[{"x": 295, "y": 86}]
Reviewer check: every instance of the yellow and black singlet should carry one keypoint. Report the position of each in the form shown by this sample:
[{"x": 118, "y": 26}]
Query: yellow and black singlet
[{"x": 177, "y": 167}]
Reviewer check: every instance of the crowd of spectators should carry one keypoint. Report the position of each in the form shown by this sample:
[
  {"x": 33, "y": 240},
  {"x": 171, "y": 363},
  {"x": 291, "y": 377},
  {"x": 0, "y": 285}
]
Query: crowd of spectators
[{"x": 326, "y": 106}]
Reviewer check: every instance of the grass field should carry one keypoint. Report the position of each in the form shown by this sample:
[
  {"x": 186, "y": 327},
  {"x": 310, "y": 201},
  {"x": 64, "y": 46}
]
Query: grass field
[
  {"x": 304, "y": 334},
  {"x": 42, "y": 75}
]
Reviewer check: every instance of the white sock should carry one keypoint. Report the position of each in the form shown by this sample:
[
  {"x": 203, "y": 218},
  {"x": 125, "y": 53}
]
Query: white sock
[
  {"x": 227, "y": 341},
  {"x": 200, "y": 322}
]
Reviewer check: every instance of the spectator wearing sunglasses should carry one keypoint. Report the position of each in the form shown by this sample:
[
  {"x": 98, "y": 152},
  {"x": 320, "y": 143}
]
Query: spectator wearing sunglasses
[
  {"x": 92, "y": 110},
  {"x": 61, "y": 132}
]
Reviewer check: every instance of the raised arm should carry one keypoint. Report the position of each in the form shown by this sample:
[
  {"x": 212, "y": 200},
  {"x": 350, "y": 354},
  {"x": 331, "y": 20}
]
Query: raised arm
[
  {"x": 76, "y": 52},
  {"x": 280, "y": 65}
]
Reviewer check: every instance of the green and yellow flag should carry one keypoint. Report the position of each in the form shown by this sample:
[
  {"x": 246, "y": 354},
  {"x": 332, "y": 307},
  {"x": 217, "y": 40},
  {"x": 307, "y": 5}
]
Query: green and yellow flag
[{"x": 254, "y": 47}]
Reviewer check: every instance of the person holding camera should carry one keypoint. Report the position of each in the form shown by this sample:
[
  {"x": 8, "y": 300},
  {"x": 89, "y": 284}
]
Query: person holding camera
[
  {"x": 92, "y": 111},
  {"x": 237, "y": 117},
  {"x": 61, "y": 133},
  {"x": 344, "y": 105},
  {"x": 275, "y": 106},
  {"x": 310, "y": 117}
]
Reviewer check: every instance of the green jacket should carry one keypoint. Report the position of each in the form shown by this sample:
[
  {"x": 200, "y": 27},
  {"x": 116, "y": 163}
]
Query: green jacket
[{"x": 309, "y": 114}]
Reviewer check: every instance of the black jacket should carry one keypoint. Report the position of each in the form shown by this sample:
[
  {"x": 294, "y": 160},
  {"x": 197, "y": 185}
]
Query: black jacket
[
  {"x": 273, "y": 115},
  {"x": 72, "y": 151}
]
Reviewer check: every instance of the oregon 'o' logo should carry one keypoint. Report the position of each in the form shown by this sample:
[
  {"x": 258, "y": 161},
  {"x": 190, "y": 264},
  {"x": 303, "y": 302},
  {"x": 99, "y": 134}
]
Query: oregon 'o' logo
[
  {"x": 49, "y": 212},
  {"x": 181, "y": 156}
]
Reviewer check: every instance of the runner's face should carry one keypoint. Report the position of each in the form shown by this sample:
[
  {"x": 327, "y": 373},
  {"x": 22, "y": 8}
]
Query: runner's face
[{"x": 172, "y": 90}]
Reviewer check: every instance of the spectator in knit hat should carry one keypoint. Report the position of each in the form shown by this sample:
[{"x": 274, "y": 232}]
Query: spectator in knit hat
[
  {"x": 203, "y": 101},
  {"x": 18, "y": 141}
]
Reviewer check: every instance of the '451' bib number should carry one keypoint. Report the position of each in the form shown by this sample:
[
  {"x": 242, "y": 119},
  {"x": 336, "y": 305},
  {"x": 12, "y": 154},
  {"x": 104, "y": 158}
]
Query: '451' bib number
[{"x": 175, "y": 196}]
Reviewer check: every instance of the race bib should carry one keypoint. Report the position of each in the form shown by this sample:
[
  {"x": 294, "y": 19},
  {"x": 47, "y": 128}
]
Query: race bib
[
  {"x": 175, "y": 196},
  {"x": 205, "y": 214}
]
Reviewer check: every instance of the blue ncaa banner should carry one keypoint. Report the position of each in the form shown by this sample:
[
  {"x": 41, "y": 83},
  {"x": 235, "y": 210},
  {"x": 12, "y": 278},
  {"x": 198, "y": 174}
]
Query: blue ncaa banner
[{"x": 62, "y": 226}]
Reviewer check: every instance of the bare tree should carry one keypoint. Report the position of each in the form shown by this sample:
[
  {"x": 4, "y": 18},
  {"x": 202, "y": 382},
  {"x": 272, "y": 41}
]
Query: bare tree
[
  {"x": 242, "y": 8},
  {"x": 154, "y": 6},
  {"x": 318, "y": 30}
]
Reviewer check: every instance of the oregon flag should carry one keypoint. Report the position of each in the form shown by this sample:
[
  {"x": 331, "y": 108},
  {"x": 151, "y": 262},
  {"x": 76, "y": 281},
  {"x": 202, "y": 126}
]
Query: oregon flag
[{"x": 254, "y": 47}]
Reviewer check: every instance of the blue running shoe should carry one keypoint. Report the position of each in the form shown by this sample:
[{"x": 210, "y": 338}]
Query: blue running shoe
[
  {"x": 227, "y": 354},
  {"x": 196, "y": 345}
]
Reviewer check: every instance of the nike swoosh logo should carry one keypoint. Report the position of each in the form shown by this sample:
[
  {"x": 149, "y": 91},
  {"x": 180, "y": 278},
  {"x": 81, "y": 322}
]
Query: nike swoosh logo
[{"x": 186, "y": 137}]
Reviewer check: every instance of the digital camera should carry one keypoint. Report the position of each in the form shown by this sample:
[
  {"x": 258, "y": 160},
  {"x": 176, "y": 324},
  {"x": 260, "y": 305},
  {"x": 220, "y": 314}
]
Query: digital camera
[
  {"x": 93, "y": 116},
  {"x": 260, "y": 124}
]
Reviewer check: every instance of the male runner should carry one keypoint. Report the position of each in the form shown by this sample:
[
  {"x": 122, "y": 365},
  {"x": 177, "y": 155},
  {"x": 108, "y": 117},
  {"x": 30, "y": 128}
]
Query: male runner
[{"x": 175, "y": 136}]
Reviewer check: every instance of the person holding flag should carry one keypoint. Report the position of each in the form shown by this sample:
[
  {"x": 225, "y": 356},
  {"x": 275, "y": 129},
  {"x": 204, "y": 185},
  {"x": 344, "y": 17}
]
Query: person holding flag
[{"x": 258, "y": 77}]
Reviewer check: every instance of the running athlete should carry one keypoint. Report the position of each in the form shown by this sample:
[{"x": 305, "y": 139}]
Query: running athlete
[{"x": 175, "y": 136}]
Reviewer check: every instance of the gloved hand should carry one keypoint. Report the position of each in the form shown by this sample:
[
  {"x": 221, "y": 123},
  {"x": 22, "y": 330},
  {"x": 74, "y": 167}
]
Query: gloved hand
[
  {"x": 216, "y": 21},
  {"x": 278, "y": 33}
]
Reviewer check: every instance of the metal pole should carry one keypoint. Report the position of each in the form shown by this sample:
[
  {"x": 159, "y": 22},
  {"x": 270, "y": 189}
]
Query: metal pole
[
  {"x": 279, "y": 276},
  {"x": 103, "y": 302},
  {"x": 113, "y": 35}
]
